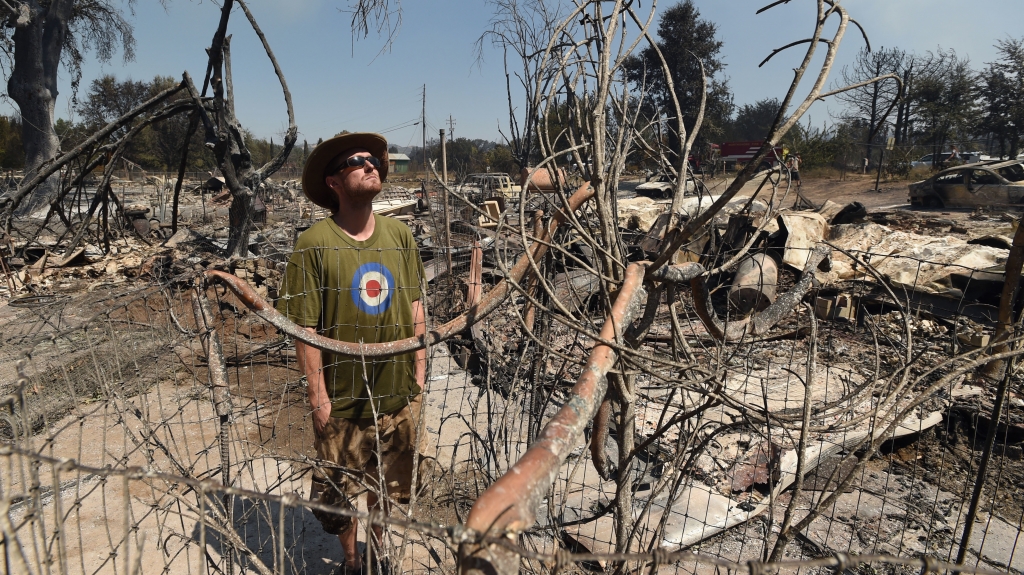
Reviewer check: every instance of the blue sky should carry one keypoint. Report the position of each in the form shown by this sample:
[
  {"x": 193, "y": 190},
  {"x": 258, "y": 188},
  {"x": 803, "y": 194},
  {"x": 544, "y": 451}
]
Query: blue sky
[{"x": 338, "y": 82}]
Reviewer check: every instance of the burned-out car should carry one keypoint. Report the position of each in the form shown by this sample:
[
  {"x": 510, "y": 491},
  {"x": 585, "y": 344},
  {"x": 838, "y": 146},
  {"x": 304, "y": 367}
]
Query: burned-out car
[
  {"x": 991, "y": 183},
  {"x": 662, "y": 186}
]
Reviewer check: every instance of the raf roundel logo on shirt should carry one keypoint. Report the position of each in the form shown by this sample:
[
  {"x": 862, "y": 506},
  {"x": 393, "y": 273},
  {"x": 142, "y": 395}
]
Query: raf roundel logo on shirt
[{"x": 372, "y": 286}]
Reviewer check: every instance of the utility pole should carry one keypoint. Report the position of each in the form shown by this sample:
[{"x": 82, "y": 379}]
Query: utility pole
[
  {"x": 889, "y": 143},
  {"x": 423, "y": 122},
  {"x": 451, "y": 127},
  {"x": 444, "y": 202},
  {"x": 444, "y": 159}
]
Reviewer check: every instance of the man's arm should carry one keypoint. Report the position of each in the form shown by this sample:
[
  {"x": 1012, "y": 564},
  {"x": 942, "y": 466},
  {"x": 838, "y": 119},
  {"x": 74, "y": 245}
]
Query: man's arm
[
  {"x": 311, "y": 364},
  {"x": 420, "y": 327}
]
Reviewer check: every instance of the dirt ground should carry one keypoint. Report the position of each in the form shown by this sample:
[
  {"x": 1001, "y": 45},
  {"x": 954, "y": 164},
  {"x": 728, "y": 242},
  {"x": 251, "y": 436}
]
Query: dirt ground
[{"x": 818, "y": 188}]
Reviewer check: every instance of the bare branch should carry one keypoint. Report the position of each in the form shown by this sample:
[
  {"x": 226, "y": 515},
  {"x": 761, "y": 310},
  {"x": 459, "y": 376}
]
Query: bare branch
[
  {"x": 10, "y": 203},
  {"x": 790, "y": 45},
  {"x": 291, "y": 135}
]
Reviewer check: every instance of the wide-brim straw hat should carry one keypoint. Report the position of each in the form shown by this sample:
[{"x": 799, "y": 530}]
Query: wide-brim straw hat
[{"x": 313, "y": 184}]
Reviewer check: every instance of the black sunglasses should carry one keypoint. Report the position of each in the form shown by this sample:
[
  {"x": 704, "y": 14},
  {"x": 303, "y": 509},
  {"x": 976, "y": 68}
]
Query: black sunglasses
[{"x": 358, "y": 161}]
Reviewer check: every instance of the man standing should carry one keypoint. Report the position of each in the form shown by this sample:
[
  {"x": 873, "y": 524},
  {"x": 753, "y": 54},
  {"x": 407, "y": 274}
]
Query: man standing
[
  {"x": 953, "y": 159},
  {"x": 356, "y": 277},
  {"x": 794, "y": 170}
]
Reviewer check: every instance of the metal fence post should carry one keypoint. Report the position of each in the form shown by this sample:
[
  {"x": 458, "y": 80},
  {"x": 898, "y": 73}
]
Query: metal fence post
[{"x": 221, "y": 396}]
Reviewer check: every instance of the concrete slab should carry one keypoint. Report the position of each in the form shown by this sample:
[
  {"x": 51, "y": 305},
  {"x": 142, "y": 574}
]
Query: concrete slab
[{"x": 999, "y": 542}]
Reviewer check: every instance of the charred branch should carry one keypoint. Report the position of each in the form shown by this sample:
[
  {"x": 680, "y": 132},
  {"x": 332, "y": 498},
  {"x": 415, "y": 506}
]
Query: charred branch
[{"x": 9, "y": 204}]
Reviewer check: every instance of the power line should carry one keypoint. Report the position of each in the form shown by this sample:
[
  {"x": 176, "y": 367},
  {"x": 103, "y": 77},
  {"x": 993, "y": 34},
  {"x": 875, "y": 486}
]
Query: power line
[
  {"x": 405, "y": 124},
  {"x": 397, "y": 101}
]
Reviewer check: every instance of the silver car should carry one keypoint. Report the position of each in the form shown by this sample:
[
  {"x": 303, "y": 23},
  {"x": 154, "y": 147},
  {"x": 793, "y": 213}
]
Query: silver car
[
  {"x": 991, "y": 183},
  {"x": 940, "y": 159}
]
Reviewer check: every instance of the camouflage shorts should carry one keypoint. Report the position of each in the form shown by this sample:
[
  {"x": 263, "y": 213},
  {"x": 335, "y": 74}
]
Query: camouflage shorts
[{"x": 353, "y": 464}]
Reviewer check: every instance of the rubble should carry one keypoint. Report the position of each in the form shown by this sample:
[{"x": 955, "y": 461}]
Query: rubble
[
  {"x": 707, "y": 507},
  {"x": 396, "y": 201},
  {"x": 640, "y": 213},
  {"x": 803, "y": 230},
  {"x": 912, "y": 261},
  {"x": 749, "y": 286},
  {"x": 835, "y": 308}
]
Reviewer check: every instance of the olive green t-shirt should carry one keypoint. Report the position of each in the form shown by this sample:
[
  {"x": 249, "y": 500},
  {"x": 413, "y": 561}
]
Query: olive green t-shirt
[{"x": 358, "y": 291}]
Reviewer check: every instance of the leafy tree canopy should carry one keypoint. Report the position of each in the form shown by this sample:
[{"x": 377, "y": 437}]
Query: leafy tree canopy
[
  {"x": 687, "y": 42},
  {"x": 1002, "y": 97},
  {"x": 754, "y": 120}
]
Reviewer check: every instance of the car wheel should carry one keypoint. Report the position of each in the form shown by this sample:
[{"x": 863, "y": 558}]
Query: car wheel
[{"x": 934, "y": 202}]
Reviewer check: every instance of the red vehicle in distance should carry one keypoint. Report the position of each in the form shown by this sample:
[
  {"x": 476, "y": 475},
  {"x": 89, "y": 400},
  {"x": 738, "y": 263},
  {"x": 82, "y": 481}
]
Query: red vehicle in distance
[{"x": 734, "y": 153}]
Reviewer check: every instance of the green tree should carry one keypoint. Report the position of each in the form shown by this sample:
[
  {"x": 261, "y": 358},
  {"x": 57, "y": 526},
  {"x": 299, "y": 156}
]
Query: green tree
[
  {"x": 500, "y": 159},
  {"x": 109, "y": 98},
  {"x": 12, "y": 156},
  {"x": 754, "y": 120},
  {"x": 165, "y": 137},
  {"x": 947, "y": 98},
  {"x": 687, "y": 42},
  {"x": 465, "y": 156},
  {"x": 1002, "y": 97},
  {"x": 915, "y": 68},
  {"x": 872, "y": 104},
  {"x": 563, "y": 125},
  {"x": 106, "y": 100},
  {"x": 70, "y": 134},
  {"x": 157, "y": 147},
  {"x": 818, "y": 147}
]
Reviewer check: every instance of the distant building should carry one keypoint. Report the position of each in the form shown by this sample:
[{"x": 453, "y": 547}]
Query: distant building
[{"x": 398, "y": 163}]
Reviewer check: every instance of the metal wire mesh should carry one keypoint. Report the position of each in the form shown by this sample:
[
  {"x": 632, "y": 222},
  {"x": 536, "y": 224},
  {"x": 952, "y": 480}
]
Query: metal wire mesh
[{"x": 119, "y": 457}]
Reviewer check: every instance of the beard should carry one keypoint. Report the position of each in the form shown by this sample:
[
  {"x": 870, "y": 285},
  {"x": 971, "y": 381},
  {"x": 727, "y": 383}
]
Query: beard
[{"x": 363, "y": 190}]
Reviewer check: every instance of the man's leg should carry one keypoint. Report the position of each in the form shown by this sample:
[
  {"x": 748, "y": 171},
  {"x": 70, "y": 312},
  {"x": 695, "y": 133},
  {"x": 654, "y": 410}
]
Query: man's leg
[
  {"x": 341, "y": 445},
  {"x": 348, "y": 545},
  {"x": 398, "y": 439},
  {"x": 374, "y": 544}
]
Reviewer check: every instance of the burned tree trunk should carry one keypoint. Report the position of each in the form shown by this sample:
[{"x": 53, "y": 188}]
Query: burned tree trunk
[
  {"x": 233, "y": 157},
  {"x": 33, "y": 86},
  {"x": 43, "y": 33},
  {"x": 240, "y": 220}
]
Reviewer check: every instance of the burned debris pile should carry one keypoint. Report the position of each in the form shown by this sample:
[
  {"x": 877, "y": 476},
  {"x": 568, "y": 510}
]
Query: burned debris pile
[{"x": 874, "y": 308}]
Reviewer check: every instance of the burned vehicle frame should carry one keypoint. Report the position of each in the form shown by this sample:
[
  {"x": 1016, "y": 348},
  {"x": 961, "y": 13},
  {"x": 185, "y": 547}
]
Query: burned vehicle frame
[
  {"x": 991, "y": 183},
  {"x": 663, "y": 185}
]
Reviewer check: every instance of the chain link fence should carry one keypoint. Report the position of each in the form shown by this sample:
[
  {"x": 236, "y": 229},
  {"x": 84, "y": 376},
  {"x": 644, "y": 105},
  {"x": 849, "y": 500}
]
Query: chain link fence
[{"x": 163, "y": 426}]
